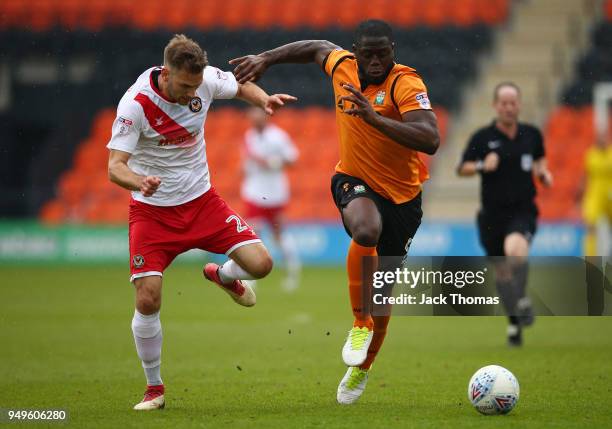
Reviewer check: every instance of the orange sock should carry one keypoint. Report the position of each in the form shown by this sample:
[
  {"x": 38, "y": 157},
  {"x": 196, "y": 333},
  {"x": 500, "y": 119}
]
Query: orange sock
[
  {"x": 359, "y": 293},
  {"x": 380, "y": 330}
]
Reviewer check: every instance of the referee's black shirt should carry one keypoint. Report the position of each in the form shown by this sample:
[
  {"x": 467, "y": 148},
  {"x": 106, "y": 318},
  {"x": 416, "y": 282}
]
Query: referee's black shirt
[{"x": 511, "y": 185}]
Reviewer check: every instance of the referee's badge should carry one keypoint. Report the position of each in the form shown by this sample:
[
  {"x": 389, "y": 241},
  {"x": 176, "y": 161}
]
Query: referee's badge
[
  {"x": 195, "y": 105},
  {"x": 526, "y": 161},
  {"x": 380, "y": 98}
]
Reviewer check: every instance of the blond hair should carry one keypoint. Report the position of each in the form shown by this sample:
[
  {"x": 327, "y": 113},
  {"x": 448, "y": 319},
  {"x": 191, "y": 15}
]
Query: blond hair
[{"x": 183, "y": 53}]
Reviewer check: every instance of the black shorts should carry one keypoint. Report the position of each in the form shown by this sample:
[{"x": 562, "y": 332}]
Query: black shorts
[
  {"x": 495, "y": 225},
  {"x": 400, "y": 221}
]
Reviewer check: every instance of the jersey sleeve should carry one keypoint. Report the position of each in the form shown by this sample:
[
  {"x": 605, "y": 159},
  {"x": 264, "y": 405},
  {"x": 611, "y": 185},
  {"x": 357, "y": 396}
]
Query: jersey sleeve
[
  {"x": 410, "y": 93},
  {"x": 222, "y": 85},
  {"x": 538, "y": 150},
  {"x": 332, "y": 59},
  {"x": 126, "y": 127},
  {"x": 474, "y": 150}
]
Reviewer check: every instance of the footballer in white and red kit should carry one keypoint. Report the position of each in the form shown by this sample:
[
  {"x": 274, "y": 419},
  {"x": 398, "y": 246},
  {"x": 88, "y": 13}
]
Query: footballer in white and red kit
[
  {"x": 265, "y": 188},
  {"x": 158, "y": 151}
]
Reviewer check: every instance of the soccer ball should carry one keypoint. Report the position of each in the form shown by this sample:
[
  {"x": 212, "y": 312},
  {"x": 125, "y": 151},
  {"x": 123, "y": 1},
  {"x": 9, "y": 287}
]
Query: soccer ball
[{"x": 493, "y": 390}]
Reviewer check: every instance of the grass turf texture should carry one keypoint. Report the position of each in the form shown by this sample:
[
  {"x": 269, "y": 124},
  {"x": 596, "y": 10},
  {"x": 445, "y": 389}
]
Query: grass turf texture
[{"x": 66, "y": 343}]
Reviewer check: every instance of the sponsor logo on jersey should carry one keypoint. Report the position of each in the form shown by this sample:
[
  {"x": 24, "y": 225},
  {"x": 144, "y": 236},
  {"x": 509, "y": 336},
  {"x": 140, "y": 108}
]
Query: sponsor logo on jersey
[
  {"x": 138, "y": 261},
  {"x": 183, "y": 139},
  {"x": 359, "y": 189},
  {"x": 380, "y": 98},
  {"x": 423, "y": 100},
  {"x": 195, "y": 105},
  {"x": 494, "y": 144},
  {"x": 124, "y": 125},
  {"x": 221, "y": 75}
]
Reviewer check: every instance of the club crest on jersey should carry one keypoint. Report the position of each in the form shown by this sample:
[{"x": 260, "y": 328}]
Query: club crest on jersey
[
  {"x": 346, "y": 186},
  {"x": 138, "y": 261},
  {"x": 380, "y": 98},
  {"x": 359, "y": 189},
  {"x": 195, "y": 105}
]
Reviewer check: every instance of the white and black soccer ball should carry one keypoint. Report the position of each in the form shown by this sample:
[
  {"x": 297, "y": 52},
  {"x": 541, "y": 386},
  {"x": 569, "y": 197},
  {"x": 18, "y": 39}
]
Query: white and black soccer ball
[{"x": 493, "y": 390}]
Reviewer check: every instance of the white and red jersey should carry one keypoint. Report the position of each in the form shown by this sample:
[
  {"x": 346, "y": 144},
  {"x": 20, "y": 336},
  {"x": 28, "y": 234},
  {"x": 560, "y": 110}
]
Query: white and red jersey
[
  {"x": 166, "y": 139},
  {"x": 265, "y": 183}
]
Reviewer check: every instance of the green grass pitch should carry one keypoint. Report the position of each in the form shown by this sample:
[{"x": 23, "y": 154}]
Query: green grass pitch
[{"x": 66, "y": 342}]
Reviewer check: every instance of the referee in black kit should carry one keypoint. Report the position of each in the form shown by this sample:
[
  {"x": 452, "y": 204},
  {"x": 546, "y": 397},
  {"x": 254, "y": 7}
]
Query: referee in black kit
[{"x": 507, "y": 154}]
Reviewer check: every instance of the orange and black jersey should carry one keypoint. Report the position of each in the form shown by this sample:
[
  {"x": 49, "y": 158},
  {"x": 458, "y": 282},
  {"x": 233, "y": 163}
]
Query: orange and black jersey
[{"x": 390, "y": 169}]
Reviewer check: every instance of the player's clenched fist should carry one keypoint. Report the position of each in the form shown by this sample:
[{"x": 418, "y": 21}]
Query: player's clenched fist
[{"x": 149, "y": 185}]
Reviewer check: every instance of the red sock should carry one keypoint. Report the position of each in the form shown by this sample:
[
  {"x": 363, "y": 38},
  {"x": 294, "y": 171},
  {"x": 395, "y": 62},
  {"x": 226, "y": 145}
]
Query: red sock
[{"x": 360, "y": 293}]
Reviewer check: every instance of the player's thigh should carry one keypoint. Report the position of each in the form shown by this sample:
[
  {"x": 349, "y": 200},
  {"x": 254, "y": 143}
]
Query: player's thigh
[
  {"x": 358, "y": 207},
  {"x": 400, "y": 224},
  {"x": 253, "y": 258},
  {"x": 148, "y": 293},
  {"x": 363, "y": 219}
]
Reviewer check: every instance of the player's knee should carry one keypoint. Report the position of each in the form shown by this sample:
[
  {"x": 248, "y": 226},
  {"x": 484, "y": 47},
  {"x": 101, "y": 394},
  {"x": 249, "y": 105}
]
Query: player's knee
[
  {"x": 147, "y": 303},
  {"x": 366, "y": 235},
  {"x": 263, "y": 266},
  {"x": 148, "y": 296}
]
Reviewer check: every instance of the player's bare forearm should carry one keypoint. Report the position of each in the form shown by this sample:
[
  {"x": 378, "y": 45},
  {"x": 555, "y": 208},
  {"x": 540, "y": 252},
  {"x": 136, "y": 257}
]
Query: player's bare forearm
[
  {"x": 256, "y": 96},
  {"x": 421, "y": 135},
  {"x": 252, "y": 67},
  {"x": 252, "y": 94},
  {"x": 120, "y": 174},
  {"x": 303, "y": 51}
]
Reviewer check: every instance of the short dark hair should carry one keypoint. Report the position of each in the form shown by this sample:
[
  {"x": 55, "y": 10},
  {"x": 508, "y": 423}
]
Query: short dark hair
[
  {"x": 507, "y": 84},
  {"x": 373, "y": 28},
  {"x": 183, "y": 53}
]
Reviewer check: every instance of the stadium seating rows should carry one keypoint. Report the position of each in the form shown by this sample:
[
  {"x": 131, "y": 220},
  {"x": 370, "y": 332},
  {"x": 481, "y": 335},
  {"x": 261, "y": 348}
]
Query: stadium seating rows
[
  {"x": 41, "y": 15},
  {"x": 85, "y": 195},
  {"x": 595, "y": 66},
  {"x": 568, "y": 135}
]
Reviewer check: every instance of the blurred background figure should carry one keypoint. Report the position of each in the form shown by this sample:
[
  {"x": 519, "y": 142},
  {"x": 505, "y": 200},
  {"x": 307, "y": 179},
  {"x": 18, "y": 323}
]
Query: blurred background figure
[
  {"x": 597, "y": 200},
  {"x": 508, "y": 154},
  {"x": 268, "y": 150}
]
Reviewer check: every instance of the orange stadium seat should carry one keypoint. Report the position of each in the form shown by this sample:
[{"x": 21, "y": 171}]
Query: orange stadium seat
[
  {"x": 608, "y": 9},
  {"x": 406, "y": 13},
  {"x": 463, "y": 13},
  {"x": 53, "y": 212},
  {"x": 41, "y": 14},
  {"x": 568, "y": 135},
  {"x": 263, "y": 14},
  {"x": 12, "y": 13},
  {"x": 434, "y": 12}
]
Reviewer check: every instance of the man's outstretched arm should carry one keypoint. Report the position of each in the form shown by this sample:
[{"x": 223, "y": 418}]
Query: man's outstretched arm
[
  {"x": 252, "y": 67},
  {"x": 253, "y": 94}
]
